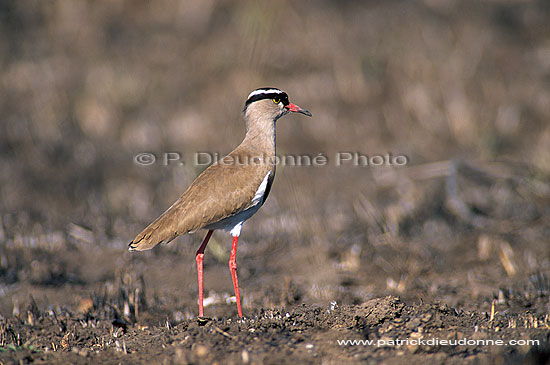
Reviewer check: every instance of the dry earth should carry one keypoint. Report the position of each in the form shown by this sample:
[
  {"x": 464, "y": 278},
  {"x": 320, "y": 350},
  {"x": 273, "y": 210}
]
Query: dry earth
[{"x": 454, "y": 246}]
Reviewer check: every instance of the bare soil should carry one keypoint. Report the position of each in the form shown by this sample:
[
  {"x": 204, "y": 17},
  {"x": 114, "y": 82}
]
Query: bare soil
[
  {"x": 303, "y": 334},
  {"x": 454, "y": 246},
  {"x": 70, "y": 304}
]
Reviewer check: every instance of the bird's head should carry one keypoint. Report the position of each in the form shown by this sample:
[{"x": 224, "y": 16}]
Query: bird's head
[{"x": 270, "y": 102}]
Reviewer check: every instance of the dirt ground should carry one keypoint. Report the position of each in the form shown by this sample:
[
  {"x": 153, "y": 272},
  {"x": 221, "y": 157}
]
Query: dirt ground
[
  {"x": 433, "y": 262},
  {"x": 304, "y": 334},
  {"x": 67, "y": 299}
]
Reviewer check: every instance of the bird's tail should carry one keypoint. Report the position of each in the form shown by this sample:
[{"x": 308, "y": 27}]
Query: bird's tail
[{"x": 161, "y": 230}]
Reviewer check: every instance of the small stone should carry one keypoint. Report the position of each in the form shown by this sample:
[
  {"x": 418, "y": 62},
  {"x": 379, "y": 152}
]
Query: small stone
[
  {"x": 413, "y": 324},
  {"x": 479, "y": 335},
  {"x": 413, "y": 348},
  {"x": 385, "y": 340},
  {"x": 200, "y": 350},
  {"x": 180, "y": 357},
  {"x": 244, "y": 357},
  {"x": 85, "y": 305},
  {"x": 83, "y": 352}
]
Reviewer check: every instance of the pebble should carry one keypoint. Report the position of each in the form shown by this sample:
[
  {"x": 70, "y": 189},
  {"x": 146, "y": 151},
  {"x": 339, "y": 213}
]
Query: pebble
[
  {"x": 426, "y": 317},
  {"x": 413, "y": 324},
  {"x": 413, "y": 348},
  {"x": 82, "y": 352},
  {"x": 85, "y": 305},
  {"x": 200, "y": 350},
  {"x": 244, "y": 357},
  {"x": 180, "y": 357},
  {"x": 479, "y": 335}
]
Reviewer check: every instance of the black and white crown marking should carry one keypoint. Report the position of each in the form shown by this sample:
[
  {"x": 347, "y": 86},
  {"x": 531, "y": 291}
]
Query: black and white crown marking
[{"x": 266, "y": 93}]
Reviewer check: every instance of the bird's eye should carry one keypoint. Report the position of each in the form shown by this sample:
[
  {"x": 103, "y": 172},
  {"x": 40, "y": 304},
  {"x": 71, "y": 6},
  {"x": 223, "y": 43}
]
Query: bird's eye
[{"x": 276, "y": 100}]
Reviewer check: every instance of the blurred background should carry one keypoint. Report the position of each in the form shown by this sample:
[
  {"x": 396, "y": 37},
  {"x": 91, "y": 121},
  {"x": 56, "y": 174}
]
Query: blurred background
[{"x": 462, "y": 88}]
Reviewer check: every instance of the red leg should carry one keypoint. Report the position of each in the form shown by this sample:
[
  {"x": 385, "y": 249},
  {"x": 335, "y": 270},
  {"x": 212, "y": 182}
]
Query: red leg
[
  {"x": 233, "y": 269},
  {"x": 199, "y": 257}
]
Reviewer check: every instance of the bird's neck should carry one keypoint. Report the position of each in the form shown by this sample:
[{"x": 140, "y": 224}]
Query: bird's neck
[{"x": 260, "y": 135}]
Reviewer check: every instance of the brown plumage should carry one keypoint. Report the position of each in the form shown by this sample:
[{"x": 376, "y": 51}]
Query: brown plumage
[
  {"x": 230, "y": 191},
  {"x": 222, "y": 190}
]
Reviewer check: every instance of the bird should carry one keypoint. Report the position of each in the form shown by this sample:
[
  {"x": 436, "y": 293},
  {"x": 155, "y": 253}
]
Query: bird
[{"x": 229, "y": 191}]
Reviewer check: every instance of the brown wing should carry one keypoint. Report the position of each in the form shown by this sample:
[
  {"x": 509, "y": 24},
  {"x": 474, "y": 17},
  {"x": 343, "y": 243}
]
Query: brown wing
[{"x": 222, "y": 190}]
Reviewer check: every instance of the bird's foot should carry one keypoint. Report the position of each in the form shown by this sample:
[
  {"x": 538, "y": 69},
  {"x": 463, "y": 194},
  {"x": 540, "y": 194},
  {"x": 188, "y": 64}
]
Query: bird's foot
[{"x": 202, "y": 321}]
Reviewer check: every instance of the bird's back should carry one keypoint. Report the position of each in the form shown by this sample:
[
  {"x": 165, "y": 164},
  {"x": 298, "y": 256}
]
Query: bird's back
[{"x": 222, "y": 190}]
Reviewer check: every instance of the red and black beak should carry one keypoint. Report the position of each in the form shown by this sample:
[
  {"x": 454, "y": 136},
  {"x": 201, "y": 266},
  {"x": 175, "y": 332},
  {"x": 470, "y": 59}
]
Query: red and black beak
[{"x": 296, "y": 109}]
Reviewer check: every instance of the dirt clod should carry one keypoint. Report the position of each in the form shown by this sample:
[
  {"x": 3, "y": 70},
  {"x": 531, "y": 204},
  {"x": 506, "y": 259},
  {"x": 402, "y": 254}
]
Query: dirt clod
[{"x": 376, "y": 311}]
